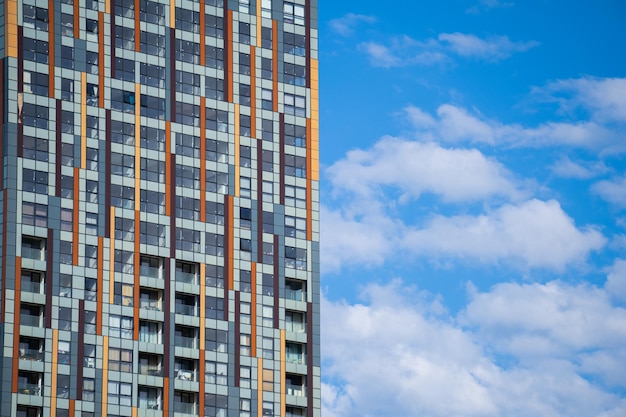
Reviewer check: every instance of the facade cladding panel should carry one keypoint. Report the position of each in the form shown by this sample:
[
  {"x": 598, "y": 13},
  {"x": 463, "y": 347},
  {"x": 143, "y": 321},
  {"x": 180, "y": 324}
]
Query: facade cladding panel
[{"x": 159, "y": 208}]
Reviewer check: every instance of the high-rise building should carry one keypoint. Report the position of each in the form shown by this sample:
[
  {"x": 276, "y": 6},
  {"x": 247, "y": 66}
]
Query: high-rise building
[{"x": 159, "y": 238}]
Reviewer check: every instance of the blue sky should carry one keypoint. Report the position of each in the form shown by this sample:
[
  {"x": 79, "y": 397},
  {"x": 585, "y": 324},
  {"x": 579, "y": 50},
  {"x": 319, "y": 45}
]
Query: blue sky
[{"x": 473, "y": 208}]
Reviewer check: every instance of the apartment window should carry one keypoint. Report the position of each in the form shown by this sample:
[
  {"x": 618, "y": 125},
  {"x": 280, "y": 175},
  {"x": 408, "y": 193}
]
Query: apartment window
[
  {"x": 245, "y": 218},
  {"x": 295, "y": 321},
  {"x": 216, "y": 373},
  {"x": 36, "y": 83},
  {"x": 217, "y": 182},
  {"x": 295, "y": 412},
  {"x": 124, "y": 229},
  {"x": 295, "y": 105},
  {"x": 152, "y": 234},
  {"x": 187, "y": 20},
  {"x": 267, "y": 345},
  {"x": 185, "y": 369},
  {"x": 65, "y": 323},
  {"x": 295, "y": 258},
  {"x": 267, "y": 157},
  {"x": 125, "y": 69},
  {"x": 295, "y": 290},
  {"x": 120, "y": 393},
  {"x": 92, "y": 127},
  {"x": 65, "y": 252},
  {"x": 186, "y": 304},
  {"x": 149, "y": 398},
  {"x": 295, "y": 135},
  {"x": 295, "y": 196},
  {"x": 187, "y": 82},
  {"x": 295, "y": 227},
  {"x": 188, "y": 176},
  {"x": 91, "y": 256},
  {"x": 216, "y": 3},
  {"x": 267, "y": 99},
  {"x": 91, "y": 191},
  {"x": 295, "y": 385},
  {"x": 244, "y": 312},
  {"x": 35, "y": 214},
  {"x": 244, "y": 95},
  {"x": 187, "y": 208},
  {"x": 124, "y": 37},
  {"x": 214, "y": 57},
  {"x": 91, "y": 26},
  {"x": 268, "y": 222},
  {"x": 185, "y": 402},
  {"x": 294, "y": 44},
  {"x": 35, "y": 17},
  {"x": 214, "y": 26},
  {"x": 150, "y": 331},
  {"x": 152, "y": 43},
  {"x": 35, "y": 50},
  {"x": 295, "y": 165},
  {"x": 214, "y": 307},
  {"x": 35, "y": 116},
  {"x": 188, "y": 114},
  {"x": 125, "y": 8},
  {"x": 152, "y": 138},
  {"x": 92, "y": 65},
  {"x": 294, "y": 74},
  {"x": 91, "y": 223},
  {"x": 244, "y": 6},
  {"x": 216, "y": 340},
  {"x": 120, "y": 360},
  {"x": 185, "y": 336},
  {"x": 215, "y": 276},
  {"x": 124, "y": 261},
  {"x": 245, "y": 377},
  {"x": 214, "y": 244},
  {"x": 266, "y": 32},
  {"x": 67, "y": 186},
  {"x": 244, "y": 63},
  {"x": 152, "y": 12},
  {"x": 267, "y": 315},
  {"x": 122, "y": 132},
  {"x": 123, "y": 101},
  {"x": 187, "y": 145},
  {"x": 153, "y": 170},
  {"x": 217, "y": 120},
  {"x": 293, "y": 13},
  {"x": 91, "y": 289},
  {"x": 266, "y": 68},
  {"x": 214, "y": 88},
  {"x": 67, "y": 121},
  {"x": 245, "y": 281},
  {"x": 245, "y": 159},
  {"x": 244, "y": 344},
  {"x": 89, "y": 389},
  {"x": 67, "y": 24},
  {"x": 123, "y": 197},
  {"x": 90, "y": 322},
  {"x": 268, "y": 284},
  {"x": 65, "y": 285},
  {"x": 187, "y": 239},
  {"x": 123, "y": 294},
  {"x": 187, "y": 51},
  {"x": 295, "y": 353},
  {"x": 121, "y": 326},
  {"x": 152, "y": 75},
  {"x": 153, "y": 107},
  {"x": 245, "y": 245},
  {"x": 244, "y": 407},
  {"x": 244, "y": 33},
  {"x": 150, "y": 364},
  {"x": 268, "y": 385},
  {"x": 216, "y": 150},
  {"x": 67, "y": 89}
]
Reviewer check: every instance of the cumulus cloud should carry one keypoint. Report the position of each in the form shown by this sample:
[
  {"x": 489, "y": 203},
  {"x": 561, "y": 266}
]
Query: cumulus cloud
[
  {"x": 404, "y": 50},
  {"x": 616, "y": 280},
  {"x": 603, "y": 98},
  {"x": 415, "y": 168},
  {"x": 346, "y": 25},
  {"x": 613, "y": 191},
  {"x": 397, "y": 353},
  {"x": 493, "y": 49},
  {"x": 566, "y": 168},
  {"x": 535, "y": 233}
]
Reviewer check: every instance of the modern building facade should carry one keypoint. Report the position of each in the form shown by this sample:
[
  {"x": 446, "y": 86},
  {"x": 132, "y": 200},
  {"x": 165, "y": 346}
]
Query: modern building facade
[{"x": 159, "y": 208}]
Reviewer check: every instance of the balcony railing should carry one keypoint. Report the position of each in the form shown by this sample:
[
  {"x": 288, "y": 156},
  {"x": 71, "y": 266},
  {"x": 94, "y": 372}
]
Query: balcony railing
[
  {"x": 187, "y": 310},
  {"x": 33, "y": 253},
  {"x": 186, "y": 277},
  {"x": 151, "y": 370},
  {"x": 30, "y": 389},
  {"x": 186, "y": 342},
  {"x": 150, "y": 271},
  {"x": 187, "y": 408},
  {"x": 28, "y": 320},
  {"x": 31, "y": 355},
  {"x": 150, "y": 305},
  {"x": 32, "y": 286}
]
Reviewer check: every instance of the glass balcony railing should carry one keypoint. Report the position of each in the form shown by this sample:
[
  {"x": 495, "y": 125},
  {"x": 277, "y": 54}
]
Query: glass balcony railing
[
  {"x": 33, "y": 253},
  {"x": 31, "y": 355},
  {"x": 32, "y": 286},
  {"x": 30, "y": 389},
  {"x": 35, "y": 321},
  {"x": 186, "y": 342},
  {"x": 151, "y": 370},
  {"x": 186, "y": 310},
  {"x": 186, "y": 277},
  {"x": 186, "y": 408},
  {"x": 150, "y": 305},
  {"x": 150, "y": 271}
]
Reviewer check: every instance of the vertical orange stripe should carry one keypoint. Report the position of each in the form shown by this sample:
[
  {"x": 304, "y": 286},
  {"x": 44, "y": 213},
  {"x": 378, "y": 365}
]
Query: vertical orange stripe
[
  {"x": 137, "y": 28},
  {"x": 275, "y": 64},
  {"x": 259, "y": 386},
  {"x": 16, "y": 321},
  {"x": 168, "y": 166},
  {"x": 72, "y": 407},
  {"x": 166, "y": 396},
  {"x": 100, "y": 285},
  {"x": 309, "y": 191},
  {"x": 75, "y": 215},
  {"x": 202, "y": 158},
  {"x": 76, "y": 20},
  {"x": 253, "y": 308},
  {"x": 100, "y": 59},
  {"x": 229, "y": 53},
  {"x": 11, "y": 28},
  {"x": 136, "y": 274}
]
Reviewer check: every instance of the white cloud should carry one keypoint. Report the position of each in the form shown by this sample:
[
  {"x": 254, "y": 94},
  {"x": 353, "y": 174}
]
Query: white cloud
[
  {"x": 379, "y": 54},
  {"x": 613, "y": 191},
  {"x": 537, "y": 234},
  {"x": 493, "y": 49},
  {"x": 566, "y": 168},
  {"x": 604, "y": 98},
  {"x": 396, "y": 354},
  {"x": 346, "y": 25},
  {"x": 616, "y": 280},
  {"x": 416, "y": 168},
  {"x": 487, "y": 5}
]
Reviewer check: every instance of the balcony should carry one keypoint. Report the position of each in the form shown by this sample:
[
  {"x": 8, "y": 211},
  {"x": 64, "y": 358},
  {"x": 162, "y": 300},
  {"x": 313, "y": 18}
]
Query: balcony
[
  {"x": 151, "y": 267},
  {"x": 295, "y": 290},
  {"x": 150, "y": 300},
  {"x": 296, "y": 353},
  {"x": 150, "y": 364},
  {"x": 187, "y": 273},
  {"x": 295, "y": 385},
  {"x": 31, "y": 315},
  {"x": 186, "y": 305},
  {"x": 34, "y": 248},
  {"x": 186, "y": 337},
  {"x": 30, "y": 383},
  {"x": 32, "y": 282}
]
